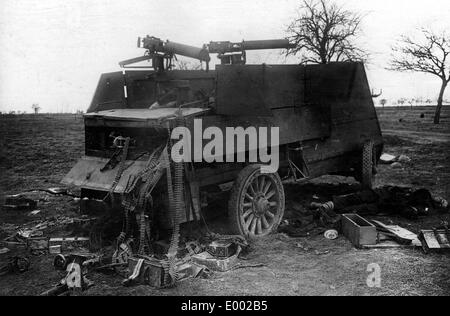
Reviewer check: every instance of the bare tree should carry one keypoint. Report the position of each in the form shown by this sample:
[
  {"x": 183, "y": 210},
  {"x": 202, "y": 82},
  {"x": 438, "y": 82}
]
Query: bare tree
[
  {"x": 383, "y": 102},
  {"x": 325, "y": 32},
  {"x": 427, "y": 52},
  {"x": 186, "y": 65},
  {"x": 36, "y": 108}
]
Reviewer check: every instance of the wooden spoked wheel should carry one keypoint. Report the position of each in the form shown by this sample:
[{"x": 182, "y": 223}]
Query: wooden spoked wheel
[{"x": 256, "y": 205}]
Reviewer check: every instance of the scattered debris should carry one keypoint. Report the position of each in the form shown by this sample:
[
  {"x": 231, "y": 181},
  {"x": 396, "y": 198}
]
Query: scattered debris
[
  {"x": 122, "y": 254},
  {"x": 34, "y": 213},
  {"x": 54, "y": 191},
  {"x": 61, "y": 261},
  {"x": 303, "y": 247},
  {"x": 320, "y": 253},
  {"x": 396, "y": 165},
  {"x": 145, "y": 270},
  {"x": 75, "y": 279},
  {"x": 38, "y": 244},
  {"x": 443, "y": 204},
  {"x": 193, "y": 270},
  {"x": 19, "y": 202},
  {"x": 404, "y": 159},
  {"x": 15, "y": 264},
  {"x": 387, "y": 159},
  {"x": 216, "y": 264},
  {"x": 13, "y": 245},
  {"x": 29, "y": 233},
  {"x": 407, "y": 202},
  {"x": 246, "y": 266},
  {"x": 394, "y": 161},
  {"x": 58, "y": 290},
  {"x": 331, "y": 234},
  {"x": 54, "y": 249},
  {"x": 69, "y": 243}
]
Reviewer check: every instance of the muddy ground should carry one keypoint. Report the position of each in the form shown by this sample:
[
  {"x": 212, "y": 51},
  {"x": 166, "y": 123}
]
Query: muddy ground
[{"x": 36, "y": 152}]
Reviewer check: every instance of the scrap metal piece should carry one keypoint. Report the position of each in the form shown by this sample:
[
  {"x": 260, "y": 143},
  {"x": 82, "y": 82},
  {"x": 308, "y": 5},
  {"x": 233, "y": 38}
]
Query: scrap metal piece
[
  {"x": 4, "y": 250},
  {"x": 19, "y": 202},
  {"x": 215, "y": 264},
  {"x": 16, "y": 264},
  {"x": 136, "y": 272},
  {"x": 69, "y": 243},
  {"x": 145, "y": 270},
  {"x": 122, "y": 254}
]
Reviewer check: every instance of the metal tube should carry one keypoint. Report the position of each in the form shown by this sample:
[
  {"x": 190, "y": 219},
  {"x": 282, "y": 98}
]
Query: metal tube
[
  {"x": 266, "y": 44},
  {"x": 188, "y": 51}
]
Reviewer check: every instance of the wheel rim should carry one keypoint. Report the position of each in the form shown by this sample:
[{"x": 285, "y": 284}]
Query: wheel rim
[{"x": 259, "y": 205}]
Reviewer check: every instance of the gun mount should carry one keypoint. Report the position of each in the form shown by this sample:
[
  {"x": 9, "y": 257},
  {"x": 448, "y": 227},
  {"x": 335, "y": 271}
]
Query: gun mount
[{"x": 162, "y": 53}]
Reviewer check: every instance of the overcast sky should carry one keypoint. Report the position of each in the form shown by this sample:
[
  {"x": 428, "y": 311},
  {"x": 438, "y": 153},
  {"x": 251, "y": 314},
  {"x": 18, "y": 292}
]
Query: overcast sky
[{"x": 53, "y": 52}]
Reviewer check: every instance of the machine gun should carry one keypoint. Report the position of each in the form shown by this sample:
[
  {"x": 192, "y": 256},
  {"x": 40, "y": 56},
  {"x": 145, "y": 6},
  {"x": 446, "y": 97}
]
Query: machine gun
[
  {"x": 235, "y": 53},
  {"x": 162, "y": 53}
]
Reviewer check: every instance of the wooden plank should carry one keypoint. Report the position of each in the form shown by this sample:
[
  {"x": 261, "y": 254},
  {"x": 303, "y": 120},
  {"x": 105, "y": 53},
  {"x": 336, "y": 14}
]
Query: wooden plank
[
  {"x": 390, "y": 244},
  {"x": 144, "y": 114},
  {"x": 398, "y": 233}
]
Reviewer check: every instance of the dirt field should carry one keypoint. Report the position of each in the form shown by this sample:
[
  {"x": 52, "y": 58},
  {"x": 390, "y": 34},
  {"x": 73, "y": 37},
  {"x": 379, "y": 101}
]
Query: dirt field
[{"x": 36, "y": 152}]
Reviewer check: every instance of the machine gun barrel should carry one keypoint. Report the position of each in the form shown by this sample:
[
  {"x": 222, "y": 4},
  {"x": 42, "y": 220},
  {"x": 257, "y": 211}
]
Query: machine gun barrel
[
  {"x": 187, "y": 50},
  {"x": 266, "y": 44},
  {"x": 229, "y": 47},
  {"x": 154, "y": 44}
]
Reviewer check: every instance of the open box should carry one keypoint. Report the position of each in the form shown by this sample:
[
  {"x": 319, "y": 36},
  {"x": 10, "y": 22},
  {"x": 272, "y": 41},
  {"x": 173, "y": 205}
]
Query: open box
[{"x": 358, "y": 230}]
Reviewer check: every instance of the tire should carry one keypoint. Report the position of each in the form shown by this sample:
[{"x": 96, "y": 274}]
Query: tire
[
  {"x": 257, "y": 201},
  {"x": 368, "y": 164}
]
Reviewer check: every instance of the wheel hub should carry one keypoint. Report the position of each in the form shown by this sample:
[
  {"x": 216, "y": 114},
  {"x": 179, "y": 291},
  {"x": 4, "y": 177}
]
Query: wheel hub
[{"x": 260, "y": 206}]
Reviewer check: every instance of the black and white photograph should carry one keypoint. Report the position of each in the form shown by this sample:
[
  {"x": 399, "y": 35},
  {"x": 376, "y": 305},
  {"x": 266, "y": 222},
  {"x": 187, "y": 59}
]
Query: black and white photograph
[{"x": 224, "y": 154}]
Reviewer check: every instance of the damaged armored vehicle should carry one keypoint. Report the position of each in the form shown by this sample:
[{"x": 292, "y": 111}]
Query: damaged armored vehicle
[{"x": 325, "y": 117}]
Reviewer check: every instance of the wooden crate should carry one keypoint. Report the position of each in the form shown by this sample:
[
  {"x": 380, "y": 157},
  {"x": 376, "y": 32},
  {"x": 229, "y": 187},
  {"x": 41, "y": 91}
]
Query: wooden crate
[
  {"x": 358, "y": 230},
  {"x": 435, "y": 240}
]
